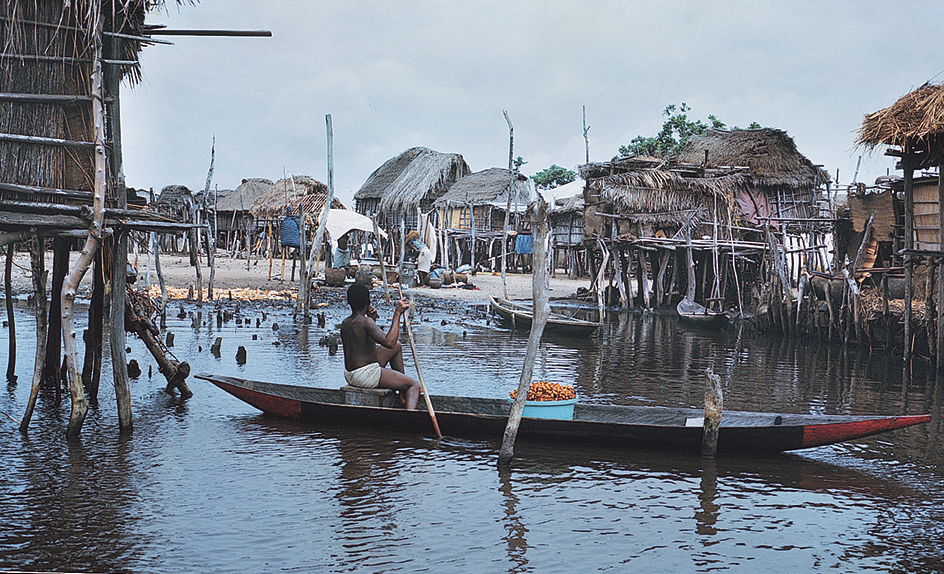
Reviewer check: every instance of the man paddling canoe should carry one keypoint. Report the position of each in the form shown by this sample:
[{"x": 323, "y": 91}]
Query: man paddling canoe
[{"x": 364, "y": 364}]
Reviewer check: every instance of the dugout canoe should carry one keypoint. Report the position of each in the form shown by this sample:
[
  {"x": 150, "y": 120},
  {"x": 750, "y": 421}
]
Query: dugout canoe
[
  {"x": 696, "y": 314},
  {"x": 519, "y": 316},
  {"x": 648, "y": 428}
]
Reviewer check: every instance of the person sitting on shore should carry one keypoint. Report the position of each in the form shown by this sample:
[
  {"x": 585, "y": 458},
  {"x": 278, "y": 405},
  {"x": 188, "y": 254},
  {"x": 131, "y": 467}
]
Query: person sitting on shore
[{"x": 364, "y": 364}]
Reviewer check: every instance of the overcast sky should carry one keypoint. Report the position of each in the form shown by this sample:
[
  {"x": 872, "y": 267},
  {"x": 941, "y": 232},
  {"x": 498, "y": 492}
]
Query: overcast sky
[{"x": 438, "y": 74}]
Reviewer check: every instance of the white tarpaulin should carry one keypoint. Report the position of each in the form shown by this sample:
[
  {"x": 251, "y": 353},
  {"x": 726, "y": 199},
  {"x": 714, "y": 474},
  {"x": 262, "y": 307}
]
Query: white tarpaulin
[{"x": 340, "y": 221}]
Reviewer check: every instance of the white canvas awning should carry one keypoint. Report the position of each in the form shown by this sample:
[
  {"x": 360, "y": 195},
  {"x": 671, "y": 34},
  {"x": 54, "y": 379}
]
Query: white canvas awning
[{"x": 340, "y": 221}]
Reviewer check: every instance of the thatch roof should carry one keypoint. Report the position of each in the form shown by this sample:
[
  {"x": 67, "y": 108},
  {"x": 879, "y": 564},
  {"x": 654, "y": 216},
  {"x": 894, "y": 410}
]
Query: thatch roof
[
  {"x": 563, "y": 205},
  {"x": 489, "y": 186},
  {"x": 771, "y": 155},
  {"x": 659, "y": 195},
  {"x": 244, "y": 197},
  {"x": 914, "y": 123},
  {"x": 306, "y": 190},
  {"x": 415, "y": 175}
]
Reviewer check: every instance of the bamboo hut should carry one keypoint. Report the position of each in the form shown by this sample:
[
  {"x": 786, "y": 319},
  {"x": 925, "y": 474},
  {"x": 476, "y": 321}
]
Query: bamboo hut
[
  {"x": 61, "y": 64},
  {"x": 234, "y": 220},
  {"x": 566, "y": 220},
  {"x": 912, "y": 129},
  {"x": 404, "y": 188},
  {"x": 295, "y": 194},
  {"x": 473, "y": 212}
]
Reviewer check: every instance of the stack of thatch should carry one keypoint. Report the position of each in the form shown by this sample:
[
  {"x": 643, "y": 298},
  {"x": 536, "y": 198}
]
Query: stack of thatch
[
  {"x": 915, "y": 123},
  {"x": 245, "y": 196},
  {"x": 292, "y": 192}
]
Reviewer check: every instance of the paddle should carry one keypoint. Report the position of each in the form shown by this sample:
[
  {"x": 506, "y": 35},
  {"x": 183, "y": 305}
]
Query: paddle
[{"x": 419, "y": 372}]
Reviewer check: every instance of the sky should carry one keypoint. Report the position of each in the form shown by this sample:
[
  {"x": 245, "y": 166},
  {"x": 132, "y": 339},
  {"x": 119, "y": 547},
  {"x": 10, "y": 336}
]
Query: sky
[{"x": 439, "y": 74}]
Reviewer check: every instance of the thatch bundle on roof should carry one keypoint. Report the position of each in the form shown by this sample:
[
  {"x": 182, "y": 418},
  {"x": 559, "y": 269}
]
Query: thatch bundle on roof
[
  {"x": 489, "y": 186},
  {"x": 771, "y": 155},
  {"x": 245, "y": 196},
  {"x": 914, "y": 123},
  {"x": 418, "y": 176},
  {"x": 292, "y": 192},
  {"x": 176, "y": 201}
]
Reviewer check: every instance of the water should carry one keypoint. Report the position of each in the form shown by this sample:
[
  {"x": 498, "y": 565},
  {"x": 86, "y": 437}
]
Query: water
[{"x": 209, "y": 484}]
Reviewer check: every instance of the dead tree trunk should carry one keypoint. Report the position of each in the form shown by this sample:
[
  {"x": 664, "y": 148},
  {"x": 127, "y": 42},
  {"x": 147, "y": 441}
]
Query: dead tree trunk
[
  {"x": 137, "y": 321},
  {"x": 542, "y": 311},
  {"x": 92, "y": 243}
]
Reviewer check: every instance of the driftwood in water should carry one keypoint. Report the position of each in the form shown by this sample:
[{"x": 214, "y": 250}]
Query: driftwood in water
[{"x": 138, "y": 310}]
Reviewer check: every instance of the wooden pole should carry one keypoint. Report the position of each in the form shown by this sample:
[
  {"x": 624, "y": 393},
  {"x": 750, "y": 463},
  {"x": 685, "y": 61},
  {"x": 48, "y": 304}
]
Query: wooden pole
[
  {"x": 323, "y": 222},
  {"x": 8, "y": 292},
  {"x": 542, "y": 310},
  {"x": 940, "y": 272},
  {"x": 51, "y": 370},
  {"x": 301, "y": 302},
  {"x": 380, "y": 256},
  {"x": 511, "y": 183},
  {"x": 909, "y": 262},
  {"x": 92, "y": 244},
  {"x": 92, "y": 368},
  {"x": 714, "y": 405},
  {"x": 863, "y": 245},
  {"x": 209, "y": 239},
  {"x": 38, "y": 262},
  {"x": 419, "y": 372}
]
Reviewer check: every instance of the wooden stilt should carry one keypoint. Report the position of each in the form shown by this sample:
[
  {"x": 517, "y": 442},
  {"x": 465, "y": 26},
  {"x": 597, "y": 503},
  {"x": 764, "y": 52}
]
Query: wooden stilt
[
  {"x": 909, "y": 260},
  {"x": 92, "y": 366},
  {"x": 11, "y": 320},
  {"x": 38, "y": 263},
  {"x": 714, "y": 405}
]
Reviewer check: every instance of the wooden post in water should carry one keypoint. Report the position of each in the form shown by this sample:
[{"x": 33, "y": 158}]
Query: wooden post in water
[
  {"x": 511, "y": 184},
  {"x": 909, "y": 260},
  {"x": 714, "y": 405},
  {"x": 863, "y": 245},
  {"x": 38, "y": 262},
  {"x": 940, "y": 272},
  {"x": 542, "y": 310},
  {"x": 380, "y": 257},
  {"x": 8, "y": 292}
]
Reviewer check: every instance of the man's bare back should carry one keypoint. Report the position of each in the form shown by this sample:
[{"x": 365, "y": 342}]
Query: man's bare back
[{"x": 360, "y": 336}]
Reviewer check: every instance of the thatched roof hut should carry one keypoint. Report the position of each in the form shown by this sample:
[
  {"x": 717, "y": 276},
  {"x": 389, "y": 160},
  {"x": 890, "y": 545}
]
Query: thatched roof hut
[
  {"x": 415, "y": 178},
  {"x": 915, "y": 124},
  {"x": 489, "y": 186},
  {"x": 306, "y": 191},
  {"x": 651, "y": 192},
  {"x": 176, "y": 201},
  {"x": 245, "y": 195},
  {"x": 771, "y": 155}
]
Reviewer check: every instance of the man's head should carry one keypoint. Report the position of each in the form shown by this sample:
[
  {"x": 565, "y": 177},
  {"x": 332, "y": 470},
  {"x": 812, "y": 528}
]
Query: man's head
[
  {"x": 342, "y": 242},
  {"x": 358, "y": 297}
]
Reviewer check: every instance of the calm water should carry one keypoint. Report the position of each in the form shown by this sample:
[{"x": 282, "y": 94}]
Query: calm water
[{"x": 209, "y": 484}]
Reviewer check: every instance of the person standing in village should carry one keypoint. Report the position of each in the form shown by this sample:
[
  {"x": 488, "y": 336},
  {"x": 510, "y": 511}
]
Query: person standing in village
[
  {"x": 342, "y": 255},
  {"x": 365, "y": 364},
  {"x": 424, "y": 257}
]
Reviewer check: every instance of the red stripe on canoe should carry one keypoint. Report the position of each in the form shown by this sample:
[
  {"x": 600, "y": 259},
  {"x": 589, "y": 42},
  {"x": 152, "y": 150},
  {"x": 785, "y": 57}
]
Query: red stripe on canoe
[{"x": 817, "y": 435}]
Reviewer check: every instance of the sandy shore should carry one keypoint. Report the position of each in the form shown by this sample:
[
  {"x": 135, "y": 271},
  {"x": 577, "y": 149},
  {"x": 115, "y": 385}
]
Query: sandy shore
[{"x": 253, "y": 280}]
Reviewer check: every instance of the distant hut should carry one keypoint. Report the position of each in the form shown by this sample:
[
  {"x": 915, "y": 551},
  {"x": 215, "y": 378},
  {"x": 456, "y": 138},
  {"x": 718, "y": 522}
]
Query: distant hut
[
  {"x": 913, "y": 129},
  {"x": 176, "y": 202},
  {"x": 474, "y": 208},
  {"x": 234, "y": 220},
  {"x": 565, "y": 218},
  {"x": 785, "y": 186},
  {"x": 407, "y": 185},
  {"x": 290, "y": 194}
]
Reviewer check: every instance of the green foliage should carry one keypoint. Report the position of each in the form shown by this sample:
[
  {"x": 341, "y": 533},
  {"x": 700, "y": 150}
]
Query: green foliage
[
  {"x": 675, "y": 132},
  {"x": 519, "y": 161},
  {"x": 553, "y": 176}
]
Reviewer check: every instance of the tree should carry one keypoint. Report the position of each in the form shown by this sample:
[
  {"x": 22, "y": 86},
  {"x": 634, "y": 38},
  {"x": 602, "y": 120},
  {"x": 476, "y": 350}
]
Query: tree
[
  {"x": 519, "y": 161},
  {"x": 553, "y": 176},
  {"x": 675, "y": 132}
]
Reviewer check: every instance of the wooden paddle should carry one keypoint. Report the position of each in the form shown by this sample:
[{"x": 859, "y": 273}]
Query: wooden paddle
[{"x": 419, "y": 372}]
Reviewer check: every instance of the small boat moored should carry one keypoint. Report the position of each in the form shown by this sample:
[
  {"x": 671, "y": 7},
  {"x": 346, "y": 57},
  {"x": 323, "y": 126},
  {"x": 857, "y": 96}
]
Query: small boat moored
[
  {"x": 519, "y": 315},
  {"x": 631, "y": 427},
  {"x": 697, "y": 314}
]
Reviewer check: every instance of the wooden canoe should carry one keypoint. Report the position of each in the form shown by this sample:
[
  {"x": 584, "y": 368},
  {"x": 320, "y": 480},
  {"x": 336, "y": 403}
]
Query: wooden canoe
[
  {"x": 649, "y": 428},
  {"x": 520, "y": 317},
  {"x": 696, "y": 314}
]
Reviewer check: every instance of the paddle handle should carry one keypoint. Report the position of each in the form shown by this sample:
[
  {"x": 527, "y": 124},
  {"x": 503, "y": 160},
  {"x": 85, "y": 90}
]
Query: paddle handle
[{"x": 419, "y": 372}]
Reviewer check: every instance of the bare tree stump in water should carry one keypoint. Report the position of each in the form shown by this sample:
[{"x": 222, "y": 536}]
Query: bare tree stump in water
[
  {"x": 714, "y": 405},
  {"x": 138, "y": 308}
]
